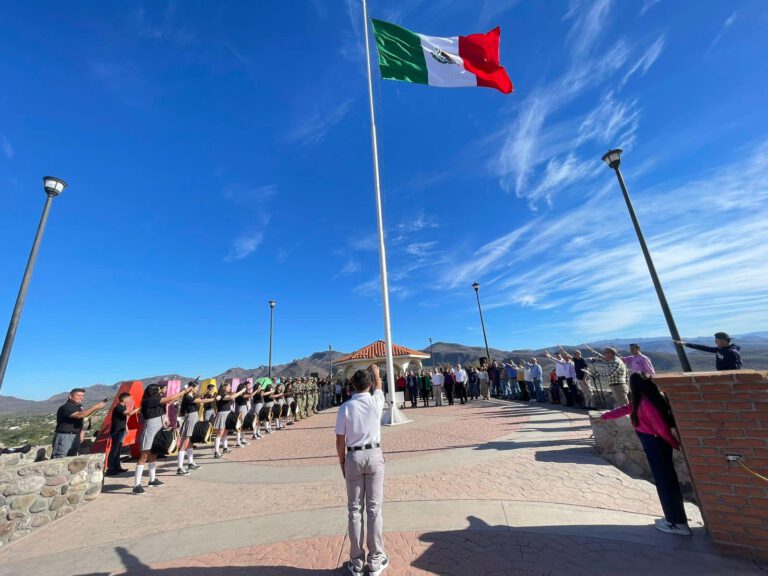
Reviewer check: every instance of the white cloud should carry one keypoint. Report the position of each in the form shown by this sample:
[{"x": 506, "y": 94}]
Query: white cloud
[
  {"x": 645, "y": 61},
  {"x": 7, "y": 147},
  {"x": 350, "y": 267},
  {"x": 245, "y": 244},
  {"x": 315, "y": 128},
  {"x": 726, "y": 25},
  {"x": 647, "y": 5}
]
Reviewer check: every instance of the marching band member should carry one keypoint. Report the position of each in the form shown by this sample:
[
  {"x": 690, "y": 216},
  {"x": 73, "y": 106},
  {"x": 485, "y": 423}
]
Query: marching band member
[
  {"x": 190, "y": 404},
  {"x": 224, "y": 400}
]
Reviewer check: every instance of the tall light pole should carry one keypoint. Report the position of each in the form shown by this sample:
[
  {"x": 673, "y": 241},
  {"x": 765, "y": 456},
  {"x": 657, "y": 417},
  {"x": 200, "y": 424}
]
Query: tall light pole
[
  {"x": 330, "y": 354},
  {"x": 431, "y": 356},
  {"x": 271, "y": 323},
  {"x": 613, "y": 159},
  {"x": 476, "y": 286},
  {"x": 53, "y": 187}
]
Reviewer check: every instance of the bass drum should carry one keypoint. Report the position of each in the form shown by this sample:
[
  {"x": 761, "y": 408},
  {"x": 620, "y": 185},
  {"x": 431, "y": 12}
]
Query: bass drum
[
  {"x": 234, "y": 422},
  {"x": 201, "y": 434},
  {"x": 166, "y": 442},
  {"x": 250, "y": 418}
]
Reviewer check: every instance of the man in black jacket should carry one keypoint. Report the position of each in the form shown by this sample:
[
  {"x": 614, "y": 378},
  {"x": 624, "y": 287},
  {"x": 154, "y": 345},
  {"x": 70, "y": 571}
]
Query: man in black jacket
[{"x": 727, "y": 357}]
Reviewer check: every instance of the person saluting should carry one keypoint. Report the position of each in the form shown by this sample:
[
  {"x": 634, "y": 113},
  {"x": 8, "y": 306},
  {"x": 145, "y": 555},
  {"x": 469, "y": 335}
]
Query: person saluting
[{"x": 358, "y": 445}]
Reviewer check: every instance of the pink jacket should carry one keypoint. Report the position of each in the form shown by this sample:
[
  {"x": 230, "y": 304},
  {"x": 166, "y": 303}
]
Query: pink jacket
[{"x": 649, "y": 421}]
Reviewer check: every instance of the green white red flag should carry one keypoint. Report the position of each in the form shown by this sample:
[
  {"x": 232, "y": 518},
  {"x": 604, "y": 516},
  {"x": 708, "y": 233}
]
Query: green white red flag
[{"x": 454, "y": 62}]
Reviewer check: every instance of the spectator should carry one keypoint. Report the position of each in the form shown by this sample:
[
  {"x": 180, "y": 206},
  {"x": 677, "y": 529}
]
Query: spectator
[
  {"x": 584, "y": 383},
  {"x": 554, "y": 392},
  {"x": 412, "y": 383},
  {"x": 449, "y": 379},
  {"x": 69, "y": 424},
  {"x": 653, "y": 423},
  {"x": 615, "y": 373},
  {"x": 337, "y": 389},
  {"x": 728, "y": 355},
  {"x": 460, "y": 387},
  {"x": 494, "y": 376},
  {"x": 521, "y": 382},
  {"x": 638, "y": 362},
  {"x": 117, "y": 428},
  {"x": 482, "y": 377},
  {"x": 536, "y": 378},
  {"x": 358, "y": 441},
  {"x": 474, "y": 383},
  {"x": 511, "y": 370},
  {"x": 437, "y": 386}
]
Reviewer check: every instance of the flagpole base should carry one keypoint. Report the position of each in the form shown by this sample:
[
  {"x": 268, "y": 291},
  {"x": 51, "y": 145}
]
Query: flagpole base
[{"x": 393, "y": 416}]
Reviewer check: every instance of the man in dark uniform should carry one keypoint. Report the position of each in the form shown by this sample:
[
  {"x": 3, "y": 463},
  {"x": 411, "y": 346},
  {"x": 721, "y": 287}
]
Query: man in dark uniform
[{"x": 69, "y": 423}]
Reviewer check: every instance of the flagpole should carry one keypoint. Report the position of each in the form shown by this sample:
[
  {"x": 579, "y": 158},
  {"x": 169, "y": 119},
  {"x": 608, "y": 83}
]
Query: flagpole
[{"x": 393, "y": 415}]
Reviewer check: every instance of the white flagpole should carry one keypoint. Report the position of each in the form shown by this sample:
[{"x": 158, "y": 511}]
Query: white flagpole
[{"x": 393, "y": 415}]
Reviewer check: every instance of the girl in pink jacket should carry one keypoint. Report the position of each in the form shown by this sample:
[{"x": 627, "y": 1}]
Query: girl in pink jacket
[{"x": 653, "y": 424}]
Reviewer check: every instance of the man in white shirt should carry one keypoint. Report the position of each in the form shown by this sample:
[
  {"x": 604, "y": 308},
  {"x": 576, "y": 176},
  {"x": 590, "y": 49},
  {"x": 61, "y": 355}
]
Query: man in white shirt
[
  {"x": 358, "y": 445},
  {"x": 461, "y": 384},
  {"x": 437, "y": 386}
]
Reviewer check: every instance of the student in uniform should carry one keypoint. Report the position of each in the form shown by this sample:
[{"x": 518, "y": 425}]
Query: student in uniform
[
  {"x": 224, "y": 406},
  {"x": 257, "y": 406},
  {"x": 358, "y": 445},
  {"x": 210, "y": 413},
  {"x": 277, "y": 408},
  {"x": 152, "y": 412},
  {"x": 120, "y": 414},
  {"x": 269, "y": 404},
  {"x": 241, "y": 402},
  {"x": 290, "y": 403},
  {"x": 189, "y": 413}
]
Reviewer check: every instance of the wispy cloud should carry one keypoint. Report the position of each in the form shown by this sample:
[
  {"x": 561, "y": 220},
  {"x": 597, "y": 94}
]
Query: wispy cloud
[
  {"x": 126, "y": 81},
  {"x": 353, "y": 39},
  {"x": 252, "y": 197},
  {"x": 245, "y": 244},
  {"x": 724, "y": 29},
  {"x": 350, "y": 267},
  {"x": 314, "y": 129},
  {"x": 7, "y": 147},
  {"x": 236, "y": 53},
  {"x": 647, "y": 5},
  {"x": 646, "y": 60}
]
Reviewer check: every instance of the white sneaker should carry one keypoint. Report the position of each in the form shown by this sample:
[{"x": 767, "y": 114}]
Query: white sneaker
[
  {"x": 668, "y": 527},
  {"x": 352, "y": 570},
  {"x": 382, "y": 567}
]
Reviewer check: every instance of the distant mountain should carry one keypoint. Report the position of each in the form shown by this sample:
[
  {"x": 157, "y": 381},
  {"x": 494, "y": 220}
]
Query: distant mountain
[{"x": 660, "y": 350}]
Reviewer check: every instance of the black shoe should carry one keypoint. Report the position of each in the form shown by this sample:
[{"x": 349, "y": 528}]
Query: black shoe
[
  {"x": 217, "y": 455},
  {"x": 193, "y": 466},
  {"x": 227, "y": 450},
  {"x": 122, "y": 471},
  {"x": 181, "y": 472},
  {"x": 155, "y": 483},
  {"x": 138, "y": 489}
]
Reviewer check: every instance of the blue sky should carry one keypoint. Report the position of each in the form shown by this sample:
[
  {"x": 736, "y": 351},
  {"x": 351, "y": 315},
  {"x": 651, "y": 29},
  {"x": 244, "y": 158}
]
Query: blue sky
[{"x": 218, "y": 155}]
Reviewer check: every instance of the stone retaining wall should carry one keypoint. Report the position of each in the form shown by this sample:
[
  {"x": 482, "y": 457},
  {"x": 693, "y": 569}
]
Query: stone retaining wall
[
  {"x": 617, "y": 442},
  {"x": 32, "y": 494}
]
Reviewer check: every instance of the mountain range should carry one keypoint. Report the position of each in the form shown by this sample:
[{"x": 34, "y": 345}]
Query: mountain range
[{"x": 660, "y": 350}]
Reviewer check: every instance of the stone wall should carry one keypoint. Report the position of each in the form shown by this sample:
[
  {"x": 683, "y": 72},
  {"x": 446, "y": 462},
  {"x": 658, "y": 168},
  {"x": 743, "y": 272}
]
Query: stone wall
[
  {"x": 617, "y": 442},
  {"x": 32, "y": 494}
]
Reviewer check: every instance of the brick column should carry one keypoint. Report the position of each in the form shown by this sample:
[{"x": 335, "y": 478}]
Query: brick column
[{"x": 721, "y": 413}]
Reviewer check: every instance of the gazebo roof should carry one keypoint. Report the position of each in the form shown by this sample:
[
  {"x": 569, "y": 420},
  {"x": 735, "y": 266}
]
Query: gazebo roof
[{"x": 378, "y": 349}]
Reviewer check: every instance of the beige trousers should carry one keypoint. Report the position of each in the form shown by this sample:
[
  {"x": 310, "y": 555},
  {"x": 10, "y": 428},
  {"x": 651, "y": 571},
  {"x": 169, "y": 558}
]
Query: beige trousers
[
  {"x": 620, "y": 394},
  {"x": 364, "y": 474}
]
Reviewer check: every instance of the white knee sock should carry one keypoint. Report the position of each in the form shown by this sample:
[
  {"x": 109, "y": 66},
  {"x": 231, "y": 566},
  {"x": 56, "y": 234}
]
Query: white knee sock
[
  {"x": 216, "y": 444},
  {"x": 189, "y": 456},
  {"x": 152, "y": 469},
  {"x": 226, "y": 442},
  {"x": 139, "y": 472},
  {"x": 239, "y": 438},
  {"x": 182, "y": 453}
]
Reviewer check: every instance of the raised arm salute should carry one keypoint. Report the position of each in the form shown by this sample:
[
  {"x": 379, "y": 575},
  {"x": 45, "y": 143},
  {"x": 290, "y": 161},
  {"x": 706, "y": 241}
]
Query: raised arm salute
[
  {"x": 69, "y": 423},
  {"x": 728, "y": 355}
]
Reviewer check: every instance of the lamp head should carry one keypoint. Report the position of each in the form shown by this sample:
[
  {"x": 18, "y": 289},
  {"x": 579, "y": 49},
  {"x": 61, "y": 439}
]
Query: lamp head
[
  {"x": 613, "y": 158},
  {"x": 53, "y": 186},
  {"x": 476, "y": 286},
  {"x": 272, "y": 303}
]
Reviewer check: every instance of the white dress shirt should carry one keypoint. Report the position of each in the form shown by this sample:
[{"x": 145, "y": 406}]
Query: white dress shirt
[{"x": 359, "y": 419}]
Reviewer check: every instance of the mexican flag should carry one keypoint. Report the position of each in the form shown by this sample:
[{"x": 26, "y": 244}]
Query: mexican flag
[{"x": 447, "y": 62}]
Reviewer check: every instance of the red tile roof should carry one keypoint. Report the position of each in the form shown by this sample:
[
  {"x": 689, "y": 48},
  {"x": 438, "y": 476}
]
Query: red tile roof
[{"x": 378, "y": 350}]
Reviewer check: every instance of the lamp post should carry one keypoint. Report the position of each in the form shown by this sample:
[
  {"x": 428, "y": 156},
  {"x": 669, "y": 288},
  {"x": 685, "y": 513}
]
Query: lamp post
[
  {"x": 330, "y": 354},
  {"x": 476, "y": 286},
  {"x": 431, "y": 355},
  {"x": 613, "y": 159},
  {"x": 271, "y": 323},
  {"x": 53, "y": 187}
]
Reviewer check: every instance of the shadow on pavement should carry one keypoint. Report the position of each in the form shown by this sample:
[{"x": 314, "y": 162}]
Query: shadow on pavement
[{"x": 572, "y": 455}]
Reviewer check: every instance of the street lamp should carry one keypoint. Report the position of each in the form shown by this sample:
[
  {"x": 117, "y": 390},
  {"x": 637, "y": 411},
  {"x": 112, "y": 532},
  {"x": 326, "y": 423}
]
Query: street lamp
[
  {"x": 53, "y": 187},
  {"x": 271, "y": 323},
  {"x": 431, "y": 356},
  {"x": 476, "y": 286},
  {"x": 613, "y": 159},
  {"x": 330, "y": 354}
]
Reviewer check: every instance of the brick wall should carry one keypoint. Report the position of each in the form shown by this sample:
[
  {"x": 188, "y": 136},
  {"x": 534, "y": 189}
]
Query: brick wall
[{"x": 720, "y": 413}]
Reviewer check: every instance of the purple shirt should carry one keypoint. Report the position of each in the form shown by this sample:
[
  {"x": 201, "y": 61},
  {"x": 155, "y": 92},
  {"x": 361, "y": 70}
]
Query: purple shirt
[{"x": 639, "y": 363}]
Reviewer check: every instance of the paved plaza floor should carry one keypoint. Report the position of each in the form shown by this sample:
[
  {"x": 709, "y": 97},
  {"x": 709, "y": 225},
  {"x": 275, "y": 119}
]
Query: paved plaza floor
[{"x": 491, "y": 488}]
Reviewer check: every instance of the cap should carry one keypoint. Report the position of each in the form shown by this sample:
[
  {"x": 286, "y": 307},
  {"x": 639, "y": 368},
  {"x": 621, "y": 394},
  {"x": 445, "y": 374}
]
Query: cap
[
  {"x": 722, "y": 336},
  {"x": 611, "y": 349}
]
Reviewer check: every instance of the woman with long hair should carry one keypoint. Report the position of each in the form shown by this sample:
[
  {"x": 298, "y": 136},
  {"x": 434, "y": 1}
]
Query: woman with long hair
[
  {"x": 224, "y": 407},
  {"x": 653, "y": 423},
  {"x": 257, "y": 407},
  {"x": 269, "y": 405},
  {"x": 189, "y": 412},
  {"x": 152, "y": 412},
  {"x": 290, "y": 403},
  {"x": 277, "y": 408}
]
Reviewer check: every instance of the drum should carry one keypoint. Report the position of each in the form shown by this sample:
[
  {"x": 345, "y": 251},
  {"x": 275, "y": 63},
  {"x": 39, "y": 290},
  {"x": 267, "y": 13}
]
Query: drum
[
  {"x": 166, "y": 442},
  {"x": 250, "y": 418},
  {"x": 202, "y": 433},
  {"x": 234, "y": 421}
]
